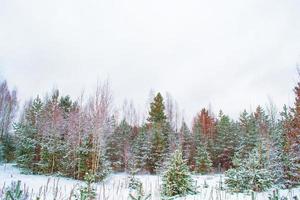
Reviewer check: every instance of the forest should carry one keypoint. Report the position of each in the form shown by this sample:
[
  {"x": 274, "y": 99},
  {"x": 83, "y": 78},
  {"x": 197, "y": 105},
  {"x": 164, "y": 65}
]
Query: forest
[{"x": 57, "y": 134}]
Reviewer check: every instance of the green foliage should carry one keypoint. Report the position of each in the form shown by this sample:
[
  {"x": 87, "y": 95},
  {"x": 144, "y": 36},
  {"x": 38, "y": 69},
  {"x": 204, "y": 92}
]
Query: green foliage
[
  {"x": 28, "y": 142},
  {"x": 134, "y": 183},
  {"x": 88, "y": 191},
  {"x": 136, "y": 189},
  {"x": 7, "y": 147},
  {"x": 185, "y": 140},
  {"x": 275, "y": 196},
  {"x": 26, "y": 145},
  {"x": 160, "y": 135},
  {"x": 157, "y": 151},
  {"x": 248, "y": 129},
  {"x": 103, "y": 168},
  {"x": 1, "y": 153},
  {"x": 14, "y": 192},
  {"x": 226, "y": 141},
  {"x": 249, "y": 174},
  {"x": 140, "y": 151},
  {"x": 177, "y": 180},
  {"x": 203, "y": 161},
  {"x": 66, "y": 104},
  {"x": 52, "y": 152},
  {"x": 117, "y": 146},
  {"x": 156, "y": 113},
  {"x": 8, "y": 109},
  {"x": 59, "y": 136},
  {"x": 83, "y": 153},
  {"x": 202, "y": 158}
]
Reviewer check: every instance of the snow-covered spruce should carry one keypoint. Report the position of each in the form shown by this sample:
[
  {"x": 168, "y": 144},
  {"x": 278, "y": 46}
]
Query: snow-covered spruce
[
  {"x": 250, "y": 174},
  {"x": 177, "y": 180}
]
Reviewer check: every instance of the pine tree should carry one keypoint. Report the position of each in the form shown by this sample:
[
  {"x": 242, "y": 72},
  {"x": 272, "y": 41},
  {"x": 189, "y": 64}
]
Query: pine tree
[
  {"x": 177, "y": 180},
  {"x": 65, "y": 103},
  {"x": 157, "y": 110}
]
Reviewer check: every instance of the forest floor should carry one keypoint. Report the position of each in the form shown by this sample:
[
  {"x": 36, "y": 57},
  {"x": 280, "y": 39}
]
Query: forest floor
[{"x": 115, "y": 187}]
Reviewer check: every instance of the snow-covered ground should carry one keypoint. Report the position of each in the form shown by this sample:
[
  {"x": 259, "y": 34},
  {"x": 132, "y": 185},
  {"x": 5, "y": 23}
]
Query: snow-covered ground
[{"x": 115, "y": 187}]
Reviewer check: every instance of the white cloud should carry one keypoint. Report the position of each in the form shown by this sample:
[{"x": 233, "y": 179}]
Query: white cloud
[{"x": 232, "y": 54}]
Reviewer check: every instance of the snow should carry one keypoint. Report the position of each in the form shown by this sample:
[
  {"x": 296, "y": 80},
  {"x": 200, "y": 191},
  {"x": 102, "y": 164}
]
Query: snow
[{"x": 115, "y": 187}]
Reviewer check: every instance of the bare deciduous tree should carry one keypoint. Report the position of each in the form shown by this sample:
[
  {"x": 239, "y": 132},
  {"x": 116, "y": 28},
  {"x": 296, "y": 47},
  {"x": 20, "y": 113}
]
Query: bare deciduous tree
[{"x": 8, "y": 108}]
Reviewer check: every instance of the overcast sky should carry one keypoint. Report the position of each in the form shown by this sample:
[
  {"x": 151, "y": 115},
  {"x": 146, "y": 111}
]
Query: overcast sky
[{"x": 232, "y": 54}]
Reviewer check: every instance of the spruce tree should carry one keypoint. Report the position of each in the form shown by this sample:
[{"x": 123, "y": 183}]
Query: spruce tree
[
  {"x": 250, "y": 173},
  {"x": 226, "y": 141},
  {"x": 171, "y": 138},
  {"x": 117, "y": 148},
  {"x": 185, "y": 138},
  {"x": 205, "y": 126},
  {"x": 177, "y": 180},
  {"x": 83, "y": 154},
  {"x": 8, "y": 147},
  {"x": 248, "y": 134},
  {"x": 203, "y": 162},
  {"x": 277, "y": 153},
  {"x": 27, "y": 132},
  {"x": 200, "y": 160},
  {"x": 157, "y": 151},
  {"x": 26, "y": 146},
  {"x": 140, "y": 150}
]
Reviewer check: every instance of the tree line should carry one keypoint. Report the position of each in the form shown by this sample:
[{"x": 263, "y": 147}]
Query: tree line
[{"x": 72, "y": 137}]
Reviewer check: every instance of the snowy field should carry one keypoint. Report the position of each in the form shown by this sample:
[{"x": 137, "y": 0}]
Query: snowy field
[{"x": 115, "y": 187}]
